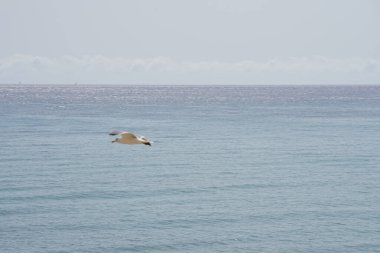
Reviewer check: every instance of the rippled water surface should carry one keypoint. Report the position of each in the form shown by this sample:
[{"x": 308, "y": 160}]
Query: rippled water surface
[{"x": 231, "y": 169}]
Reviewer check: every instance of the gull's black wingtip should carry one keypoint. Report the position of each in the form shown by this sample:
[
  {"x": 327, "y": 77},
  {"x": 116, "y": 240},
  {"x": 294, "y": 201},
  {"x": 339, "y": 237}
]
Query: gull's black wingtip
[{"x": 114, "y": 132}]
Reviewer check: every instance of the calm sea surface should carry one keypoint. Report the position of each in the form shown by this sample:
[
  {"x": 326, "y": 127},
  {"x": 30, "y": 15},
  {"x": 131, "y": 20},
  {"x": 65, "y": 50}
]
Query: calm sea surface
[{"x": 232, "y": 169}]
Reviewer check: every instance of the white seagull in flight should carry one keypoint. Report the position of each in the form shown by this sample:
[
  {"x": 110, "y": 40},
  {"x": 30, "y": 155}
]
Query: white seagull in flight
[{"x": 129, "y": 138}]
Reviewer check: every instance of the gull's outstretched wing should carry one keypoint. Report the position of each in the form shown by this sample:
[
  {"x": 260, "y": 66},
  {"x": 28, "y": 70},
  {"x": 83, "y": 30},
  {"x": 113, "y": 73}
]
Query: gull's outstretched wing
[{"x": 127, "y": 135}]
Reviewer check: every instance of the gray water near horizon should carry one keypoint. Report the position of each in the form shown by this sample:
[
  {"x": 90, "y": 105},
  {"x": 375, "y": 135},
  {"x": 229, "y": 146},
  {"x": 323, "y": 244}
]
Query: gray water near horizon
[{"x": 231, "y": 169}]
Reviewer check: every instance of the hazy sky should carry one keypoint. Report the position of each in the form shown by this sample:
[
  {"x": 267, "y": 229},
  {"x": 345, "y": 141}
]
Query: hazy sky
[{"x": 192, "y": 41}]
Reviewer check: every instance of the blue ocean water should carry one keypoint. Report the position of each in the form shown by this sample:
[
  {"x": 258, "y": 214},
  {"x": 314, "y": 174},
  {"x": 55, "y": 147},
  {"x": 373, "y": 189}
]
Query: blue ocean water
[{"x": 232, "y": 169}]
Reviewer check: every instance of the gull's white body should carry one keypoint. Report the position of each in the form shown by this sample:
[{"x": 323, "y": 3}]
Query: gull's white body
[{"x": 129, "y": 138}]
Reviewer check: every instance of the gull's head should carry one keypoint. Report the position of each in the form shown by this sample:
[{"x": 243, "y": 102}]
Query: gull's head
[
  {"x": 145, "y": 141},
  {"x": 115, "y": 140}
]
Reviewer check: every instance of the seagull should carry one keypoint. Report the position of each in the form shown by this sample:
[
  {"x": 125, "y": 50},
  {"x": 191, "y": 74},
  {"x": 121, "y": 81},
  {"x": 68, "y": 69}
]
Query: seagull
[{"x": 129, "y": 138}]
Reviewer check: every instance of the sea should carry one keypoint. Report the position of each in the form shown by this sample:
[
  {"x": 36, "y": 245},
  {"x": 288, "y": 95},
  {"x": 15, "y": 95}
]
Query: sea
[{"x": 231, "y": 168}]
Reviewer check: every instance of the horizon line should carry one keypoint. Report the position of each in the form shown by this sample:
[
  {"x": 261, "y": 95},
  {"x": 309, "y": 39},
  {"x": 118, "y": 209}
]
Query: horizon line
[{"x": 187, "y": 84}]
